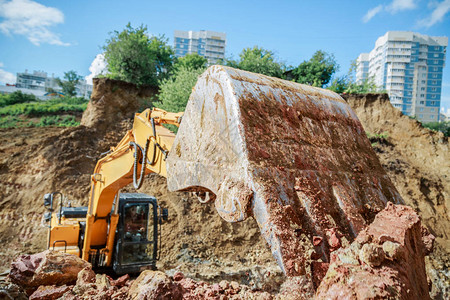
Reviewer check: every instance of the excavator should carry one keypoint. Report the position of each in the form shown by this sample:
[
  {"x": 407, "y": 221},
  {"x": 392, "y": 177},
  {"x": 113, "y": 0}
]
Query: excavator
[{"x": 294, "y": 157}]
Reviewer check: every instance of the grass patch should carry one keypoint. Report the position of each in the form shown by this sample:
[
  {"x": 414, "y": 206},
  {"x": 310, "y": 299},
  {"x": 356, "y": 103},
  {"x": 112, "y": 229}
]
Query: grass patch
[{"x": 64, "y": 121}]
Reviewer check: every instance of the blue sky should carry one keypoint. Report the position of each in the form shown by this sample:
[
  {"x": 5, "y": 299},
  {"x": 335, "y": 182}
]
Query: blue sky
[{"x": 56, "y": 36}]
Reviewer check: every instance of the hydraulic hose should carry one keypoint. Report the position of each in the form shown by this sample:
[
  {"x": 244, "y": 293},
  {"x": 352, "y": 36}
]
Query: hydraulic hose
[{"x": 137, "y": 183}]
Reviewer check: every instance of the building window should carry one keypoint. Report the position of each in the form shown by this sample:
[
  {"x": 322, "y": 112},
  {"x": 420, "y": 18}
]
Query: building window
[
  {"x": 432, "y": 117},
  {"x": 436, "y": 55},
  {"x": 420, "y": 116},
  {"x": 422, "y": 95},
  {"x": 422, "y": 102},
  {"x": 421, "y": 109},
  {"x": 422, "y": 89},
  {"x": 423, "y": 81},
  {"x": 433, "y": 96},
  {"x": 432, "y": 102},
  {"x": 434, "y": 76},
  {"x": 432, "y": 109},
  {"x": 435, "y": 69}
]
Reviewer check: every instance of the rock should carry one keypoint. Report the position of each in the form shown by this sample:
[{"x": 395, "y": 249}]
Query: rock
[
  {"x": 371, "y": 255},
  {"x": 49, "y": 292},
  {"x": 9, "y": 290},
  {"x": 46, "y": 268},
  {"x": 396, "y": 231},
  {"x": 121, "y": 281},
  {"x": 296, "y": 288},
  {"x": 154, "y": 285},
  {"x": 392, "y": 250}
]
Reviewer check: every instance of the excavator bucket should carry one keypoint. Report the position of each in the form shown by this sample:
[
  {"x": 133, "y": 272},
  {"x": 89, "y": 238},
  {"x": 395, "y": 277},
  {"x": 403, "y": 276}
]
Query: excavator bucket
[{"x": 294, "y": 157}]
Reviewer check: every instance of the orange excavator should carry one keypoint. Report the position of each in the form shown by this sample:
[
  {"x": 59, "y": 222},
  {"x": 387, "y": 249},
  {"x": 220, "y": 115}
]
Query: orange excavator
[{"x": 294, "y": 157}]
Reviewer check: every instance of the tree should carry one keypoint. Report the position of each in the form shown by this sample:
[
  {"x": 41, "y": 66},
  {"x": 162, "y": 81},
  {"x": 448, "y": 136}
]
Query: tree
[
  {"x": 340, "y": 85},
  {"x": 174, "y": 92},
  {"x": 191, "y": 62},
  {"x": 257, "y": 60},
  {"x": 133, "y": 56},
  {"x": 68, "y": 85},
  {"x": 317, "y": 71}
]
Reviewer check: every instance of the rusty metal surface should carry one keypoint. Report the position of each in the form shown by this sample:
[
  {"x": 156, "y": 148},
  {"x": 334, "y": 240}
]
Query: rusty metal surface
[{"x": 293, "y": 156}]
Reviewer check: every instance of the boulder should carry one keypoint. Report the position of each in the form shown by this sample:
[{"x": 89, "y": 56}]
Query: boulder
[
  {"x": 387, "y": 260},
  {"x": 46, "y": 268},
  {"x": 154, "y": 285}
]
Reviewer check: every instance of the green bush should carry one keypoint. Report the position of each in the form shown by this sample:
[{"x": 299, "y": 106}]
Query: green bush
[
  {"x": 439, "y": 126},
  {"x": 15, "y": 98}
]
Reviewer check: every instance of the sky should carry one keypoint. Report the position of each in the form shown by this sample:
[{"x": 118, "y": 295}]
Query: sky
[{"x": 56, "y": 36}]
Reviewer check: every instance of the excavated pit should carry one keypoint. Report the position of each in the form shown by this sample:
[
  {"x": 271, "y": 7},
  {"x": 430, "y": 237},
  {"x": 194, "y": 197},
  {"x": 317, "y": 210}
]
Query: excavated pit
[{"x": 196, "y": 241}]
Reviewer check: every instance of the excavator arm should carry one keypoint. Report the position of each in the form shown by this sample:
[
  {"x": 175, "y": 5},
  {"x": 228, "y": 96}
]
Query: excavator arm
[{"x": 142, "y": 150}]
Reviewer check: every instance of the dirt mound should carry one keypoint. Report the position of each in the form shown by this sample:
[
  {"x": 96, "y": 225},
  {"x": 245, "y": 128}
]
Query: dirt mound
[
  {"x": 418, "y": 162},
  {"x": 113, "y": 101}
]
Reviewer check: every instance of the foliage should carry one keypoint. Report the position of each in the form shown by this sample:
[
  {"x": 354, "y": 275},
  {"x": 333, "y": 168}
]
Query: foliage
[
  {"x": 40, "y": 108},
  {"x": 344, "y": 85},
  {"x": 9, "y": 122},
  {"x": 257, "y": 60},
  {"x": 383, "y": 135},
  {"x": 15, "y": 98},
  {"x": 317, "y": 71},
  {"x": 340, "y": 85},
  {"x": 135, "y": 57},
  {"x": 439, "y": 126},
  {"x": 190, "y": 62},
  {"x": 175, "y": 91},
  {"x": 65, "y": 121},
  {"x": 68, "y": 85}
]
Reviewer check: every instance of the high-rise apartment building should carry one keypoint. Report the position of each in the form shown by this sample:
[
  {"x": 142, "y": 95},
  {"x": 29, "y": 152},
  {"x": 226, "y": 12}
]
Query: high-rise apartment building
[
  {"x": 209, "y": 44},
  {"x": 409, "y": 67}
]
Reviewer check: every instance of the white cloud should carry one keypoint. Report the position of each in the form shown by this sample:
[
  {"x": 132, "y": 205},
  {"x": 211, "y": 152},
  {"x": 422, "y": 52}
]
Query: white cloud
[
  {"x": 399, "y": 5},
  {"x": 98, "y": 66},
  {"x": 393, "y": 8},
  {"x": 371, "y": 13},
  {"x": 31, "y": 19},
  {"x": 437, "y": 15},
  {"x": 6, "y": 77}
]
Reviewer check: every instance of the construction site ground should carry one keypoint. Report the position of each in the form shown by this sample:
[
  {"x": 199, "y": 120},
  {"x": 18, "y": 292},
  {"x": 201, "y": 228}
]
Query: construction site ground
[{"x": 195, "y": 240}]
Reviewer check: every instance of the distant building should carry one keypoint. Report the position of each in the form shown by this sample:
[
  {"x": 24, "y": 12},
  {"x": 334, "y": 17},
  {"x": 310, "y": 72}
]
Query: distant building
[
  {"x": 362, "y": 68},
  {"x": 409, "y": 67},
  {"x": 445, "y": 115},
  {"x": 39, "y": 81},
  {"x": 209, "y": 44}
]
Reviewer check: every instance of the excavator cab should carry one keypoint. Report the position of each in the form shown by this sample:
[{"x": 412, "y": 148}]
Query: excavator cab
[{"x": 138, "y": 232}]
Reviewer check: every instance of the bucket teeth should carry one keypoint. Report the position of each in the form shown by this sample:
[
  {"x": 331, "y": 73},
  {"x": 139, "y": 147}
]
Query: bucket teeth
[{"x": 294, "y": 157}]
